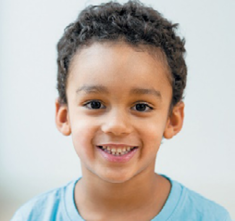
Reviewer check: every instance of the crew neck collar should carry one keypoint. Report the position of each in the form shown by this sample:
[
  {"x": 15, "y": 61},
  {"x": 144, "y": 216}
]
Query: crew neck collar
[{"x": 167, "y": 211}]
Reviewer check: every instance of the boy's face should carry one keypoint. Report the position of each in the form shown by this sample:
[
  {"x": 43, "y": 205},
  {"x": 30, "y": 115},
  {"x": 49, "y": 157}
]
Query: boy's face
[{"x": 117, "y": 96}]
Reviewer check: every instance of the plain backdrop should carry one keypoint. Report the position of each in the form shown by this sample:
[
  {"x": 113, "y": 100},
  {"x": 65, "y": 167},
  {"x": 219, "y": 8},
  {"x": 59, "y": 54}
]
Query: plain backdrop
[{"x": 35, "y": 157}]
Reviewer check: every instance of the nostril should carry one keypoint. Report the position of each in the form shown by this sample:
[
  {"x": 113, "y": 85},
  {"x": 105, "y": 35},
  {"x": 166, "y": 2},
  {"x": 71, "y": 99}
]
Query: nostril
[{"x": 117, "y": 127}]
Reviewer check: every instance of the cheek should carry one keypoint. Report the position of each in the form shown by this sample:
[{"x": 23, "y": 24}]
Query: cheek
[
  {"x": 152, "y": 137},
  {"x": 153, "y": 131},
  {"x": 83, "y": 134}
]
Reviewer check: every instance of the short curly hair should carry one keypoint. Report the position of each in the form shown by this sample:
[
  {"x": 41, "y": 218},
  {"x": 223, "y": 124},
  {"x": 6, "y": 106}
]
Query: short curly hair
[{"x": 132, "y": 23}]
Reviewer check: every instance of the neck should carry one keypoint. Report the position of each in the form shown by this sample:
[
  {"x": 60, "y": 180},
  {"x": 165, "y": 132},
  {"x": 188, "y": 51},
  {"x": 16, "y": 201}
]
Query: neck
[{"x": 141, "y": 191}]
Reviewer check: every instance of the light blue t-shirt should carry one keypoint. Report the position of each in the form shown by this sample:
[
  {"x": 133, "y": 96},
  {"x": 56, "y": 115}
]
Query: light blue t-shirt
[{"x": 182, "y": 205}]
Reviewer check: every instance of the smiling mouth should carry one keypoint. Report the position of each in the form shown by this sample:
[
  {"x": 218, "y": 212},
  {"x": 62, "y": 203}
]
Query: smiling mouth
[{"x": 120, "y": 151}]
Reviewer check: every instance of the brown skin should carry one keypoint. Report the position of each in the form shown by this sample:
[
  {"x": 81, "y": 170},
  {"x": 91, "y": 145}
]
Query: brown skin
[{"x": 111, "y": 190}]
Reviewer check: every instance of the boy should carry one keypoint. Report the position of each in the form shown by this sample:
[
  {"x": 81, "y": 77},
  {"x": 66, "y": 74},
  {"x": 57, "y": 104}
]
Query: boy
[{"x": 121, "y": 77}]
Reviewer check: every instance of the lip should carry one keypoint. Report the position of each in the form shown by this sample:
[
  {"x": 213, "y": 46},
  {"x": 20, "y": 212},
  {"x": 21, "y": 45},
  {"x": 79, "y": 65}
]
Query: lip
[
  {"x": 118, "y": 159},
  {"x": 116, "y": 145}
]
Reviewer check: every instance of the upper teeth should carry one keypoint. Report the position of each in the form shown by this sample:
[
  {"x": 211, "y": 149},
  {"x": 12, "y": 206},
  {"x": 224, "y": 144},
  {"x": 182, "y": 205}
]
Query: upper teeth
[{"x": 118, "y": 150}]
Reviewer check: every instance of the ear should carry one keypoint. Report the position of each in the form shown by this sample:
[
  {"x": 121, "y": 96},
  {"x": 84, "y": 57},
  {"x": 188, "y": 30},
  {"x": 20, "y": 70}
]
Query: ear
[
  {"x": 175, "y": 121},
  {"x": 62, "y": 118}
]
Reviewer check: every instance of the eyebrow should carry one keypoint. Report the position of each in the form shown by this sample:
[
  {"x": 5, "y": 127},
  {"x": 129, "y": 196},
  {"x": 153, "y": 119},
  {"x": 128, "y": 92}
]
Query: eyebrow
[
  {"x": 89, "y": 89},
  {"x": 141, "y": 91}
]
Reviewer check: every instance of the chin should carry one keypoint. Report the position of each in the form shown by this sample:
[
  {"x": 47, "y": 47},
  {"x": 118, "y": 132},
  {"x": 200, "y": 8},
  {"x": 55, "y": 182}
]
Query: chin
[
  {"x": 117, "y": 181},
  {"x": 116, "y": 178}
]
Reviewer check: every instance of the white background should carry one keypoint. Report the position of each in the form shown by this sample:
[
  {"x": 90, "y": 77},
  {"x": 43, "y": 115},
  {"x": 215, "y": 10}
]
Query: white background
[{"x": 35, "y": 157}]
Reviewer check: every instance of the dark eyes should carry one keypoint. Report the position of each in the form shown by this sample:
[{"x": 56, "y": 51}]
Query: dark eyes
[
  {"x": 142, "y": 107},
  {"x": 95, "y": 104}
]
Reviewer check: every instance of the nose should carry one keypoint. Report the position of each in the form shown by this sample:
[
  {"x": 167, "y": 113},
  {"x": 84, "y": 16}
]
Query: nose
[{"x": 117, "y": 123}]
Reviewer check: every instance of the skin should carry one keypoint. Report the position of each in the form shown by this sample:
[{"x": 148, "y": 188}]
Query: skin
[{"x": 119, "y": 191}]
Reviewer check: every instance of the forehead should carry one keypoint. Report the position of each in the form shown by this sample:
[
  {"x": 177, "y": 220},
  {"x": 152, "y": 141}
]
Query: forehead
[
  {"x": 119, "y": 52},
  {"x": 118, "y": 66}
]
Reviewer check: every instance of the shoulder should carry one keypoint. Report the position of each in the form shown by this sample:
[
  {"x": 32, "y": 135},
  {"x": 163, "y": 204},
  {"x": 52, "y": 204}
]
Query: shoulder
[
  {"x": 44, "y": 206},
  {"x": 194, "y": 206}
]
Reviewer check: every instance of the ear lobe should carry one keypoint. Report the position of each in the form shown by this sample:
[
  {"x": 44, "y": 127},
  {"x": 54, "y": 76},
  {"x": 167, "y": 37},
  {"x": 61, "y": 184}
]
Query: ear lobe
[
  {"x": 62, "y": 118},
  {"x": 175, "y": 121}
]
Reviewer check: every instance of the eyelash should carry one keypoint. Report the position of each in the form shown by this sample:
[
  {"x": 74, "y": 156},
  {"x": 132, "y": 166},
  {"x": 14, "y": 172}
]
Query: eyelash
[{"x": 89, "y": 103}]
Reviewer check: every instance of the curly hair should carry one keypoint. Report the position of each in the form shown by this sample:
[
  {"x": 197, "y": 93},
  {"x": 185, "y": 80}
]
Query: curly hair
[{"x": 132, "y": 23}]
